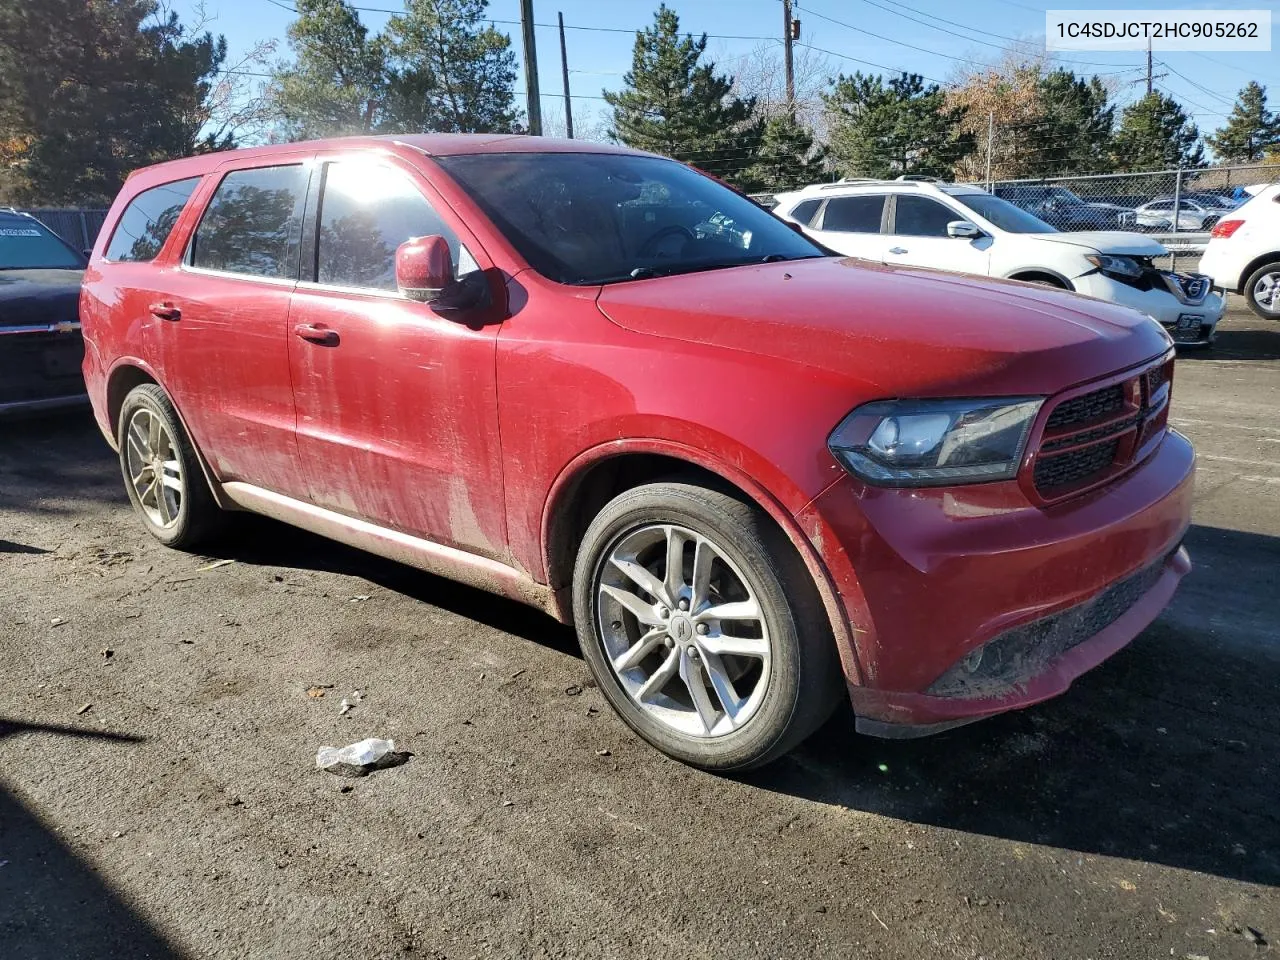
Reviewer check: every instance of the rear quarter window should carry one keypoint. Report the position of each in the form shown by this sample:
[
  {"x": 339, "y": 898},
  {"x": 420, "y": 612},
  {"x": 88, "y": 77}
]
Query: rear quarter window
[
  {"x": 148, "y": 220},
  {"x": 803, "y": 212}
]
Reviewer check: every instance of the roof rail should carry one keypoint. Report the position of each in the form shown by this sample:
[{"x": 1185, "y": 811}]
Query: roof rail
[{"x": 918, "y": 178}]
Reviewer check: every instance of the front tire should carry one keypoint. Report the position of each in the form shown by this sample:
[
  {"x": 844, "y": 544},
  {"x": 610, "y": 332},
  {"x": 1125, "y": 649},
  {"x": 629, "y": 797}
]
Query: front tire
[
  {"x": 702, "y": 627},
  {"x": 1262, "y": 291},
  {"x": 161, "y": 471}
]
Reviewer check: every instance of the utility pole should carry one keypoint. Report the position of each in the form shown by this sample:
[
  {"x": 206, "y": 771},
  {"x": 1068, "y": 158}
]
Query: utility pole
[
  {"x": 991, "y": 138},
  {"x": 788, "y": 29},
  {"x": 1148, "y": 66},
  {"x": 564, "y": 72},
  {"x": 533, "y": 101}
]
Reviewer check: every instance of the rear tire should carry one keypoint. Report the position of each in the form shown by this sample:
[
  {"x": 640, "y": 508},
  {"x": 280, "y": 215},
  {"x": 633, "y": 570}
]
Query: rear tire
[
  {"x": 1262, "y": 291},
  {"x": 721, "y": 693},
  {"x": 162, "y": 472}
]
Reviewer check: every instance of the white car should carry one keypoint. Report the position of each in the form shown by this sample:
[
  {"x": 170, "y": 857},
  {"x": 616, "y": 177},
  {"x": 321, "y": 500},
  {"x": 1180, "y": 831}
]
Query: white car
[
  {"x": 1243, "y": 255},
  {"x": 1194, "y": 216},
  {"x": 965, "y": 229}
]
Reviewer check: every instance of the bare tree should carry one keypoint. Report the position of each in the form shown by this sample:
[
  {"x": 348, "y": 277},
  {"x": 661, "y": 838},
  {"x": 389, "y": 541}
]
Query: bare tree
[{"x": 761, "y": 74}]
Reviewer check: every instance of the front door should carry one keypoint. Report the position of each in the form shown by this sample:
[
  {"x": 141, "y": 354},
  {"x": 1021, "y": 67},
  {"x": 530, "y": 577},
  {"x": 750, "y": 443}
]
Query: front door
[
  {"x": 220, "y": 325},
  {"x": 397, "y": 404},
  {"x": 919, "y": 237}
]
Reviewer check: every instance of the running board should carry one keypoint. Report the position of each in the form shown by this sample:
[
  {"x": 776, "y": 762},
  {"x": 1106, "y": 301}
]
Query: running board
[{"x": 436, "y": 558}]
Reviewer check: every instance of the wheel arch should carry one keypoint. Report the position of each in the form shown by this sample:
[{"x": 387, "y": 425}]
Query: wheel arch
[
  {"x": 125, "y": 376},
  {"x": 1255, "y": 264},
  {"x": 1042, "y": 274},
  {"x": 598, "y": 475}
]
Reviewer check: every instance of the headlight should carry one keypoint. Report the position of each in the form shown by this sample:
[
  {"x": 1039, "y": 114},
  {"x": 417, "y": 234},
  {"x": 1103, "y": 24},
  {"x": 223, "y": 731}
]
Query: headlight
[
  {"x": 920, "y": 443},
  {"x": 1125, "y": 267}
]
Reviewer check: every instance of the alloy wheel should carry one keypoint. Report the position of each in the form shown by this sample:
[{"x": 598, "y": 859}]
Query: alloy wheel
[
  {"x": 683, "y": 630},
  {"x": 1266, "y": 291},
  {"x": 155, "y": 472}
]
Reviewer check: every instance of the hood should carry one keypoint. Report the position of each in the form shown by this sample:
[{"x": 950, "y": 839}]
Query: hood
[
  {"x": 29, "y": 297},
  {"x": 899, "y": 331},
  {"x": 1119, "y": 242}
]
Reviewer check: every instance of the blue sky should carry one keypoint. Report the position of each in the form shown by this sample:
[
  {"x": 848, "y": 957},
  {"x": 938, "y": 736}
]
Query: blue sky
[{"x": 867, "y": 30}]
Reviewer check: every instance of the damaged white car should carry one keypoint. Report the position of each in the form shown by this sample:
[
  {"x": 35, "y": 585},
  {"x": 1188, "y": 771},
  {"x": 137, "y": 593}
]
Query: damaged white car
[{"x": 926, "y": 223}]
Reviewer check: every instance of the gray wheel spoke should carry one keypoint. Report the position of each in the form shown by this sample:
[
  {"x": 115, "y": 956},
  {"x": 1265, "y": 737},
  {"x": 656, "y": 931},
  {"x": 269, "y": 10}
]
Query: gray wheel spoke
[
  {"x": 740, "y": 610},
  {"x": 642, "y": 611},
  {"x": 153, "y": 433},
  {"x": 639, "y": 650},
  {"x": 703, "y": 555},
  {"x": 641, "y": 577},
  {"x": 691, "y": 674},
  {"x": 172, "y": 475},
  {"x": 723, "y": 686},
  {"x": 676, "y": 539},
  {"x": 721, "y": 644},
  {"x": 149, "y": 492},
  {"x": 162, "y": 504},
  {"x": 138, "y": 437},
  {"x": 661, "y": 677}
]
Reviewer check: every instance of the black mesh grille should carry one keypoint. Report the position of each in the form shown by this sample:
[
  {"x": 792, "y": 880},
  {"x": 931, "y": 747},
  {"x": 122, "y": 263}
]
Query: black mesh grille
[
  {"x": 1024, "y": 652},
  {"x": 1091, "y": 406},
  {"x": 1056, "y": 472},
  {"x": 1097, "y": 433}
]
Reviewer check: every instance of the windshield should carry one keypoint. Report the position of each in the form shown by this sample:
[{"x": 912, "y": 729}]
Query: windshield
[
  {"x": 588, "y": 218},
  {"x": 1002, "y": 213},
  {"x": 28, "y": 245}
]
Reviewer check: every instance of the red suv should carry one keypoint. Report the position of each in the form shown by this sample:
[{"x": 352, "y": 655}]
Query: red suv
[{"x": 602, "y": 383}]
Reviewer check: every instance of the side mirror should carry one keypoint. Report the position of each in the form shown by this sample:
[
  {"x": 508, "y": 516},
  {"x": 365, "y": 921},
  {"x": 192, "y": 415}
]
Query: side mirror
[
  {"x": 963, "y": 228},
  {"x": 424, "y": 267}
]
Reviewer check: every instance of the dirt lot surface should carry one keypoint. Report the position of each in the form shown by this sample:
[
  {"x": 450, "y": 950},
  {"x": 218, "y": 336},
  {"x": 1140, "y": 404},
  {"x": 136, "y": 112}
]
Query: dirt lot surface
[{"x": 158, "y": 795}]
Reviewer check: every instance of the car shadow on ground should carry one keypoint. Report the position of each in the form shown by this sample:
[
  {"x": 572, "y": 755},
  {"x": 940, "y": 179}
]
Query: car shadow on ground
[
  {"x": 1163, "y": 754},
  {"x": 1166, "y": 753},
  {"x": 48, "y": 461},
  {"x": 53, "y": 904},
  {"x": 1257, "y": 343}
]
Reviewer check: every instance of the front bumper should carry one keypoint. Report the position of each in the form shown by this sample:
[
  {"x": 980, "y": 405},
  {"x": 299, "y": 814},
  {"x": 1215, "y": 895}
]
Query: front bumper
[
  {"x": 928, "y": 577},
  {"x": 1188, "y": 324},
  {"x": 40, "y": 368}
]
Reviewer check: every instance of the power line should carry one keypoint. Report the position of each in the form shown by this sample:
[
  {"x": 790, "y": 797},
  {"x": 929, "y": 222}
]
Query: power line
[
  {"x": 865, "y": 63},
  {"x": 1217, "y": 96},
  {"x": 903, "y": 43},
  {"x": 988, "y": 33}
]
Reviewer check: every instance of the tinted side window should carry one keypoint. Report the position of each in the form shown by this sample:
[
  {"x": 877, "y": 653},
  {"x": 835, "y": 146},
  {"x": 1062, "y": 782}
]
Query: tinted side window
[
  {"x": 148, "y": 220},
  {"x": 1161, "y": 205},
  {"x": 253, "y": 223},
  {"x": 366, "y": 212},
  {"x": 854, "y": 214},
  {"x": 804, "y": 211},
  {"x": 922, "y": 217}
]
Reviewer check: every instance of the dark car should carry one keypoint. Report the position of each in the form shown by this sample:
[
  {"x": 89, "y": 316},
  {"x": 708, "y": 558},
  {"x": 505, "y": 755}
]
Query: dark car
[
  {"x": 41, "y": 351},
  {"x": 1060, "y": 208}
]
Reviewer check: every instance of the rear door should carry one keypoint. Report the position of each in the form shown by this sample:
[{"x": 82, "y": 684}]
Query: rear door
[
  {"x": 397, "y": 404},
  {"x": 853, "y": 225},
  {"x": 919, "y": 237},
  {"x": 221, "y": 319}
]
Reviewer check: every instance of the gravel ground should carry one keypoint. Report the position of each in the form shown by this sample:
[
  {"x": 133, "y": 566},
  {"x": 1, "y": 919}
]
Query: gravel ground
[{"x": 158, "y": 795}]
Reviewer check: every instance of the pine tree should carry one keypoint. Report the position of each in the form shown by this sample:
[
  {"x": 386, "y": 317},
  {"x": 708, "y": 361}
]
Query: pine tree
[
  {"x": 1075, "y": 129},
  {"x": 886, "y": 130},
  {"x": 338, "y": 81},
  {"x": 454, "y": 73},
  {"x": 1155, "y": 134},
  {"x": 1250, "y": 129},
  {"x": 787, "y": 157},
  {"x": 675, "y": 104},
  {"x": 90, "y": 91}
]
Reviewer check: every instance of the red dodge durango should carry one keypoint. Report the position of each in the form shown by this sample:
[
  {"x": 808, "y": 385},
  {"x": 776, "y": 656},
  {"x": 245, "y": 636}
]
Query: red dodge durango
[{"x": 753, "y": 475}]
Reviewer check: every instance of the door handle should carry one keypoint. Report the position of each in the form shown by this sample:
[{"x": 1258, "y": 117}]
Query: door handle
[
  {"x": 897, "y": 249},
  {"x": 165, "y": 311},
  {"x": 316, "y": 333}
]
